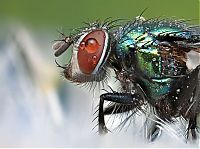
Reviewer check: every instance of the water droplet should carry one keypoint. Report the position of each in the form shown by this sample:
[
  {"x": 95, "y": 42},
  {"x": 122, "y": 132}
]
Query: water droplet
[
  {"x": 187, "y": 86},
  {"x": 154, "y": 59},
  {"x": 82, "y": 45},
  {"x": 176, "y": 97},
  {"x": 156, "y": 64},
  {"x": 94, "y": 60},
  {"x": 178, "y": 90},
  {"x": 94, "y": 57},
  {"x": 132, "y": 91},
  {"x": 91, "y": 45}
]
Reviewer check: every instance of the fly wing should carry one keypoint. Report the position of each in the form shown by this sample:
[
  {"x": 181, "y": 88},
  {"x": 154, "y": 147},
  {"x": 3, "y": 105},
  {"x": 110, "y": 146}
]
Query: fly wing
[{"x": 178, "y": 44}]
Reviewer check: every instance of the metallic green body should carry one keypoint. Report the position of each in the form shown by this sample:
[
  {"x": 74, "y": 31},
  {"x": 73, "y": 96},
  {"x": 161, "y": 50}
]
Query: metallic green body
[{"x": 148, "y": 59}]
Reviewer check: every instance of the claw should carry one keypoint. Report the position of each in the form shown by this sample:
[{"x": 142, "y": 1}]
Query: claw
[{"x": 103, "y": 130}]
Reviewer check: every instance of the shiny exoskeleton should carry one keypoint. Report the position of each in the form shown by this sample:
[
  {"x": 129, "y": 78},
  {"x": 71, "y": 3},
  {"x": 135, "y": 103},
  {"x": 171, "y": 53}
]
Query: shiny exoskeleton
[{"x": 149, "y": 58}]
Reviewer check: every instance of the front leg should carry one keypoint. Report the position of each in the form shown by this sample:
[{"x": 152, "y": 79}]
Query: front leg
[{"x": 135, "y": 100}]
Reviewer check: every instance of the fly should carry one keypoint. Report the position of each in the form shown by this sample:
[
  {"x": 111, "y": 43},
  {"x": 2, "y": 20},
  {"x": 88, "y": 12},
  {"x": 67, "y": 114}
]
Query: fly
[{"x": 149, "y": 58}]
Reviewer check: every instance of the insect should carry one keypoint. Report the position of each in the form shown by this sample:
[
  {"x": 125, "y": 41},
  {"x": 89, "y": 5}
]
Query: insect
[{"x": 149, "y": 58}]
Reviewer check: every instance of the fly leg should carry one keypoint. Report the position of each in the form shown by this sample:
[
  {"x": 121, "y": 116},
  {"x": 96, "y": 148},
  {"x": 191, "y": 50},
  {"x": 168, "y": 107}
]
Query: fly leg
[
  {"x": 117, "y": 108},
  {"x": 134, "y": 100},
  {"x": 192, "y": 128},
  {"x": 152, "y": 126},
  {"x": 195, "y": 106},
  {"x": 154, "y": 132}
]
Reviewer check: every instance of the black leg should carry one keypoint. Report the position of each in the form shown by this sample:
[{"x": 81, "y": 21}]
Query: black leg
[
  {"x": 154, "y": 132},
  {"x": 152, "y": 124},
  {"x": 117, "y": 108},
  {"x": 135, "y": 100},
  {"x": 192, "y": 128}
]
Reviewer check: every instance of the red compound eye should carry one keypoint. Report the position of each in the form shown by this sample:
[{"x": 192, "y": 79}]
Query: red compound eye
[{"x": 90, "y": 51}]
